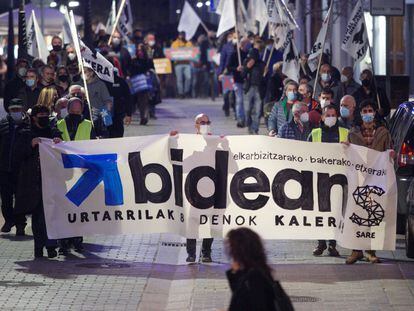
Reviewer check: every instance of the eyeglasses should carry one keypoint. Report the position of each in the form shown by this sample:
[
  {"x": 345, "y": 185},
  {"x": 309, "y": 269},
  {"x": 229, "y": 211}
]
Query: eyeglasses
[{"x": 204, "y": 122}]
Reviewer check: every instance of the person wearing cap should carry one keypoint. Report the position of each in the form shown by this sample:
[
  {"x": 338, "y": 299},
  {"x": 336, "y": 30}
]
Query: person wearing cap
[
  {"x": 182, "y": 68},
  {"x": 74, "y": 127},
  {"x": 29, "y": 189},
  {"x": 12, "y": 88},
  {"x": 13, "y": 129}
]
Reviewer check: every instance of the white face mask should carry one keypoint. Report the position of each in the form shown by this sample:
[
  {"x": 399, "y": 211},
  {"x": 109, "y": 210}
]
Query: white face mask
[
  {"x": 304, "y": 117},
  {"x": 151, "y": 43},
  {"x": 71, "y": 56},
  {"x": 325, "y": 102},
  {"x": 205, "y": 129},
  {"x": 234, "y": 41},
  {"x": 326, "y": 77},
  {"x": 330, "y": 121},
  {"x": 63, "y": 113},
  {"x": 116, "y": 41},
  {"x": 344, "y": 79}
]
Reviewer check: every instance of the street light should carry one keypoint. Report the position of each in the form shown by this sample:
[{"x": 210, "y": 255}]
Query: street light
[
  {"x": 73, "y": 4},
  {"x": 207, "y": 3},
  {"x": 199, "y": 4},
  {"x": 53, "y": 4}
]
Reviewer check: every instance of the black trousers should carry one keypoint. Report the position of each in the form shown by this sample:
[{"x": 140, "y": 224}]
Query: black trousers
[
  {"x": 116, "y": 130},
  {"x": 39, "y": 229},
  {"x": 205, "y": 248},
  {"x": 323, "y": 243},
  {"x": 8, "y": 186}
]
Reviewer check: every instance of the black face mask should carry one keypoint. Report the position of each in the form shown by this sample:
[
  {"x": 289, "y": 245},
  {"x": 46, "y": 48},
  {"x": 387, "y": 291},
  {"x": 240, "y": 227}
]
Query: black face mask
[
  {"x": 57, "y": 48},
  {"x": 75, "y": 118},
  {"x": 366, "y": 82},
  {"x": 63, "y": 78},
  {"x": 43, "y": 121}
]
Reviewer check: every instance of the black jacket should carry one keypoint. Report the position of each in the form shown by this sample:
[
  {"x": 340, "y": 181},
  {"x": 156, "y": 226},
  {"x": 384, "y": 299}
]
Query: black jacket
[
  {"x": 12, "y": 143},
  {"x": 29, "y": 96},
  {"x": 274, "y": 90},
  {"x": 119, "y": 90},
  {"x": 251, "y": 290},
  {"x": 141, "y": 66},
  {"x": 11, "y": 90},
  {"x": 234, "y": 63},
  {"x": 360, "y": 95},
  {"x": 29, "y": 188}
]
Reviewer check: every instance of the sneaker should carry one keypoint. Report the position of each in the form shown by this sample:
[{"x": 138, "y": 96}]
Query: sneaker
[
  {"x": 372, "y": 257},
  {"x": 333, "y": 252},
  {"x": 20, "y": 231},
  {"x": 318, "y": 251},
  {"x": 240, "y": 124},
  {"x": 63, "y": 251},
  {"x": 7, "y": 227},
  {"x": 191, "y": 258},
  {"x": 51, "y": 253},
  {"x": 206, "y": 259},
  {"x": 355, "y": 256}
]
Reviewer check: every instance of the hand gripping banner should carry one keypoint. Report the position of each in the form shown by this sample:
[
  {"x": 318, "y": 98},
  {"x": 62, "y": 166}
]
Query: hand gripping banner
[{"x": 202, "y": 186}]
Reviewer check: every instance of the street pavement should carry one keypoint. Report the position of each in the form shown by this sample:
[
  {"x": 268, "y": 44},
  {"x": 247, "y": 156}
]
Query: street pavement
[{"x": 147, "y": 272}]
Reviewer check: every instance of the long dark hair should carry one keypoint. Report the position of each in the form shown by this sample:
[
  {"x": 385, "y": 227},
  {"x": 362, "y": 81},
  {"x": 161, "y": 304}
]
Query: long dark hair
[{"x": 246, "y": 248}]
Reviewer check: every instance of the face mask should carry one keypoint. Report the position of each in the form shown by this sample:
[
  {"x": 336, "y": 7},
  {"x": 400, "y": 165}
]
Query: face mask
[
  {"x": 205, "y": 129},
  {"x": 71, "y": 56},
  {"x": 22, "y": 71},
  {"x": 16, "y": 116},
  {"x": 116, "y": 41},
  {"x": 344, "y": 79},
  {"x": 75, "y": 117},
  {"x": 330, "y": 121},
  {"x": 367, "y": 117},
  {"x": 291, "y": 96},
  {"x": 325, "y": 102},
  {"x": 30, "y": 82},
  {"x": 304, "y": 117},
  {"x": 326, "y": 77},
  {"x": 57, "y": 48},
  {"x": 63, "y": 78},
  {"x": 345, "y": 112},
  {"x": 63, "y": 113},
  {"x": 151, "y": 43},
  {"x": 366, "y": 82},
  {"x": 43, "y": 121},
  {"x": 234, "y": 41}
]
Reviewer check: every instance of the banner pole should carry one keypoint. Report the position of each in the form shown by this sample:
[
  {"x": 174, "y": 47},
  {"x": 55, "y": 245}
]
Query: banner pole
[
  {"x": 118, "y": 16},
  {"x": 266, "y": 69},
  {"x": 80, "y": 62},
  {"x": 237, "y": 32},
  {"x": 323, "y": 48}
]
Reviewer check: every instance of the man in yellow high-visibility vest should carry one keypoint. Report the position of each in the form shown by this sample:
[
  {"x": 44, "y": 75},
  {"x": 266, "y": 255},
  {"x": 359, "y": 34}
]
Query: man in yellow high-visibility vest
[
  {"x": 328, "y": 132},
  {"x": 74, "y": 127}
]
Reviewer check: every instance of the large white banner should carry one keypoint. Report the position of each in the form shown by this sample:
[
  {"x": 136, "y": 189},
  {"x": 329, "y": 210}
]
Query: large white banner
[{"x": 203, "y": 186}]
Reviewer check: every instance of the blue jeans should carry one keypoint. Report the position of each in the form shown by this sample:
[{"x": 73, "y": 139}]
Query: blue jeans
[
  {"x": 238, "y": 91},
  {"x": 252, "y": 105},
  {"x": 183, "y": 76}
]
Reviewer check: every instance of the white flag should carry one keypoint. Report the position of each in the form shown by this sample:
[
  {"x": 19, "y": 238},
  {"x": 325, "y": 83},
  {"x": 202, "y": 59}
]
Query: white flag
[
  {"x": 260, "y": 14},
  {"x": 291, "y": 65},
  {"x": 316, "y": 50},
  {"x": 102, "y": 67},
  {"x": 355, "y": 42},
  {"x": 281, "y": 24},
  {"x": 189, "y": 21},
  {"x": 67, "y": 37},
  {"x": 125, "y": 21},
  {"x": 111, "y": 18},
  {"x": 228, "y": 18},
  {"x": 36, "y": 44}
]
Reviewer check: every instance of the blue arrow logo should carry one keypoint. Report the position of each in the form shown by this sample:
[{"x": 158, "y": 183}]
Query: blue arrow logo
[{"x": 100, "y": 167}]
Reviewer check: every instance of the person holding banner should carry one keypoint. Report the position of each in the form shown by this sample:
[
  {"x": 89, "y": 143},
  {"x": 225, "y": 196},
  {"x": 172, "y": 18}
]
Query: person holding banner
[
  {"x": 347, "y": 112},
  {"x": 74, "y": 127},
  {"x": 371, "y": 133},
  {"x": 328, "y": 132},
  {"x": 298, "y": 128},
  {"x": 182, "y": 68}
]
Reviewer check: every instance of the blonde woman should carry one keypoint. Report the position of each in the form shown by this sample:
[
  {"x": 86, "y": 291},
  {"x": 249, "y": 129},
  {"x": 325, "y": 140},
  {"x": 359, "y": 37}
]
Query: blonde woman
[{"x": 48, "y": 96}]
